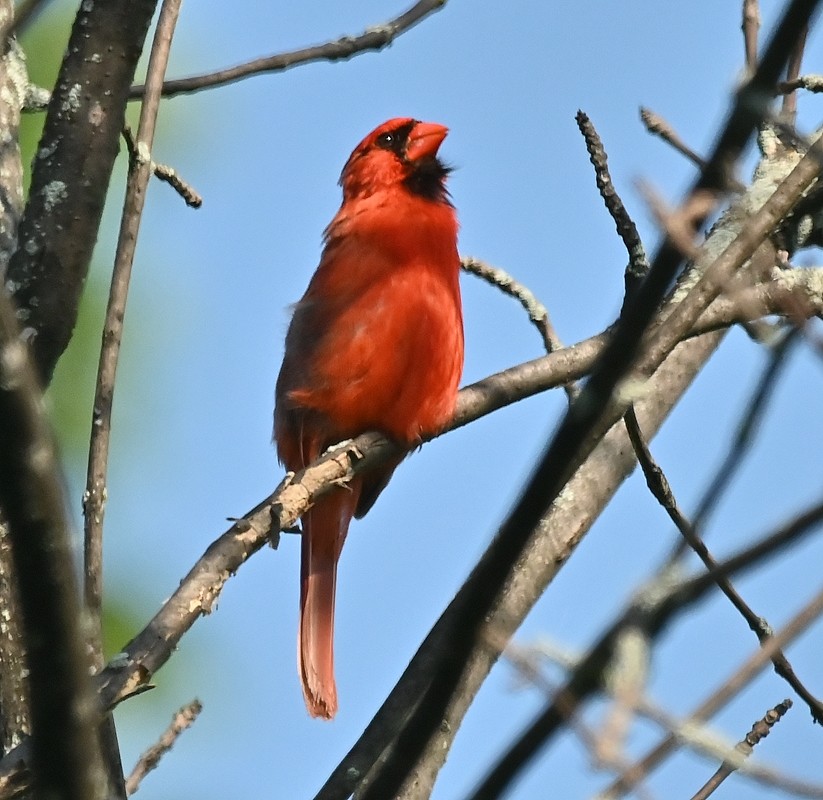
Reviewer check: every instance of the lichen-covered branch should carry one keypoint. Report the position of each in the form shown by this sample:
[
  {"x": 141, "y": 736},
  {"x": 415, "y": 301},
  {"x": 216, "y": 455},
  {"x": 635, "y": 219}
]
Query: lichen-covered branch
[{"x": 71, "y": 172}]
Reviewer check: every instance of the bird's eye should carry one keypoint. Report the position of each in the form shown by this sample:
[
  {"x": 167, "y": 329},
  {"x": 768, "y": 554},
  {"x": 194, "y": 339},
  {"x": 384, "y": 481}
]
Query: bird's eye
[{"x": 386, "y": 140}]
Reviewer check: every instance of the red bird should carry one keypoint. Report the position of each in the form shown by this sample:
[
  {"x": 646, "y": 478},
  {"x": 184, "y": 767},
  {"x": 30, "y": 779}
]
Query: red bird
[{"x": 375, "y": 344}]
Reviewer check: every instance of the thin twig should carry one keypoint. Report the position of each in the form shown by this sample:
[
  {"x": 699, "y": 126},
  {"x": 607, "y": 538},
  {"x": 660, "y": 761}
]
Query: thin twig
[
  {"x": 95, "y": 496},
  {"x": 788, "y": 112},
  {"x": 660, "y": 488},
  {"x": 162, "y": 172},
  {"x": 638, "y": 266},
  {"x": 375, "y": 37},
  {"x": 720, "y": 697},
  {"x": 744, "y": 435},
  {"x": 183, "y": 719},
  {"x": 751, "y": 27},
  {"x": 760, "y": 730},
  {"x": 698, "y": 736},
  {"x": 528, "y": 669},
  {"x": 538, "y": 314},
  {"x": 657, "y": 125},
  {"x": 811, "y": 83}
]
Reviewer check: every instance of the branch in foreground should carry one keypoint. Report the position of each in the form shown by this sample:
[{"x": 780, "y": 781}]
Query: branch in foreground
[
  {"x": 705, "y": 710},
  {"x": 661, "y": 490},
  {"x": 66, "y": 753},
  {"x": 374, "y": 38},
  {"x": 760, "y": 730},
  {"x": 14, "y": 690},
  {"x": 697, "y": 736}
]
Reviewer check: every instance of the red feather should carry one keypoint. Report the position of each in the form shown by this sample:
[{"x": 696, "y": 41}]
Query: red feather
[{"x": 376, "y": 343}]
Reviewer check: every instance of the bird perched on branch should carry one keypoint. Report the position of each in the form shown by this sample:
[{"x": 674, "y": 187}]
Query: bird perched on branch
[{"x": 375, "y": 344}]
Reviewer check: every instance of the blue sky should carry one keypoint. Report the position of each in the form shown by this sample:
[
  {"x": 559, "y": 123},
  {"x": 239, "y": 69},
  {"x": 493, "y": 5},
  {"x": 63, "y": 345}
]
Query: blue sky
[{"x": 203, "y": 345}]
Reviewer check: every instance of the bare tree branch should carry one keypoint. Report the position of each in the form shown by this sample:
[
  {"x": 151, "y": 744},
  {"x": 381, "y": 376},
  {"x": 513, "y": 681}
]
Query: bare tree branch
[
  {"x": 658, "y": 126},
  {"x": 538, "y": 314},
  {"x": 743, "y": 438},
  {"x": 71, "y": 172},
  {"x": 375, "y": 37},
  {"x": 760, "y": 730},
  {"x": 67, "y": 761},
  {"x": 751, "y": 29},
  {"x": 660, "y": 488},
  {"x": 14, "y": 693},
  {"x": 719, "y": 697},
  {"x": 638, "y": 266},
  {"x": 182, "y": 720},
  {"x": 94, "y": 498},
  {"x": 698, "y": 736}
]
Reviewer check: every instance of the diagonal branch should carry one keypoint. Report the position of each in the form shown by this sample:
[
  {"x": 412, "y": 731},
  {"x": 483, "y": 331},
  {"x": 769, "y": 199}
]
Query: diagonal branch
[
  {"x": 374, "y": 38},
  {"x": 743, "y": 438},
  {"x": 538, "y": 313},
  {"x": 660, "y": 488},
  {"x": 183, "y": 719}
]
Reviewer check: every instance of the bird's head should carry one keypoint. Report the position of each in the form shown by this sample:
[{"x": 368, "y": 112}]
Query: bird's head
[{"x": 400, "y": 152}]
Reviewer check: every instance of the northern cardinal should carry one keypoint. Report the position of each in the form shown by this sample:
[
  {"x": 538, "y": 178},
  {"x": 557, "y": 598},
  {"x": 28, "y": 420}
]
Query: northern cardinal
[{"x": 375, "y": 344}]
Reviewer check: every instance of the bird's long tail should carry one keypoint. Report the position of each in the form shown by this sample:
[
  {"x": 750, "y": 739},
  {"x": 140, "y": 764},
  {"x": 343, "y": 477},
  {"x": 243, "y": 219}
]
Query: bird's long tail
[{"x": 324, "y": 531}]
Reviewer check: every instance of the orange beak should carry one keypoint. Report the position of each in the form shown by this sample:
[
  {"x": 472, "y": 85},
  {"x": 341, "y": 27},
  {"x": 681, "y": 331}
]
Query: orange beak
[{"x": 424, "y": 140}]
